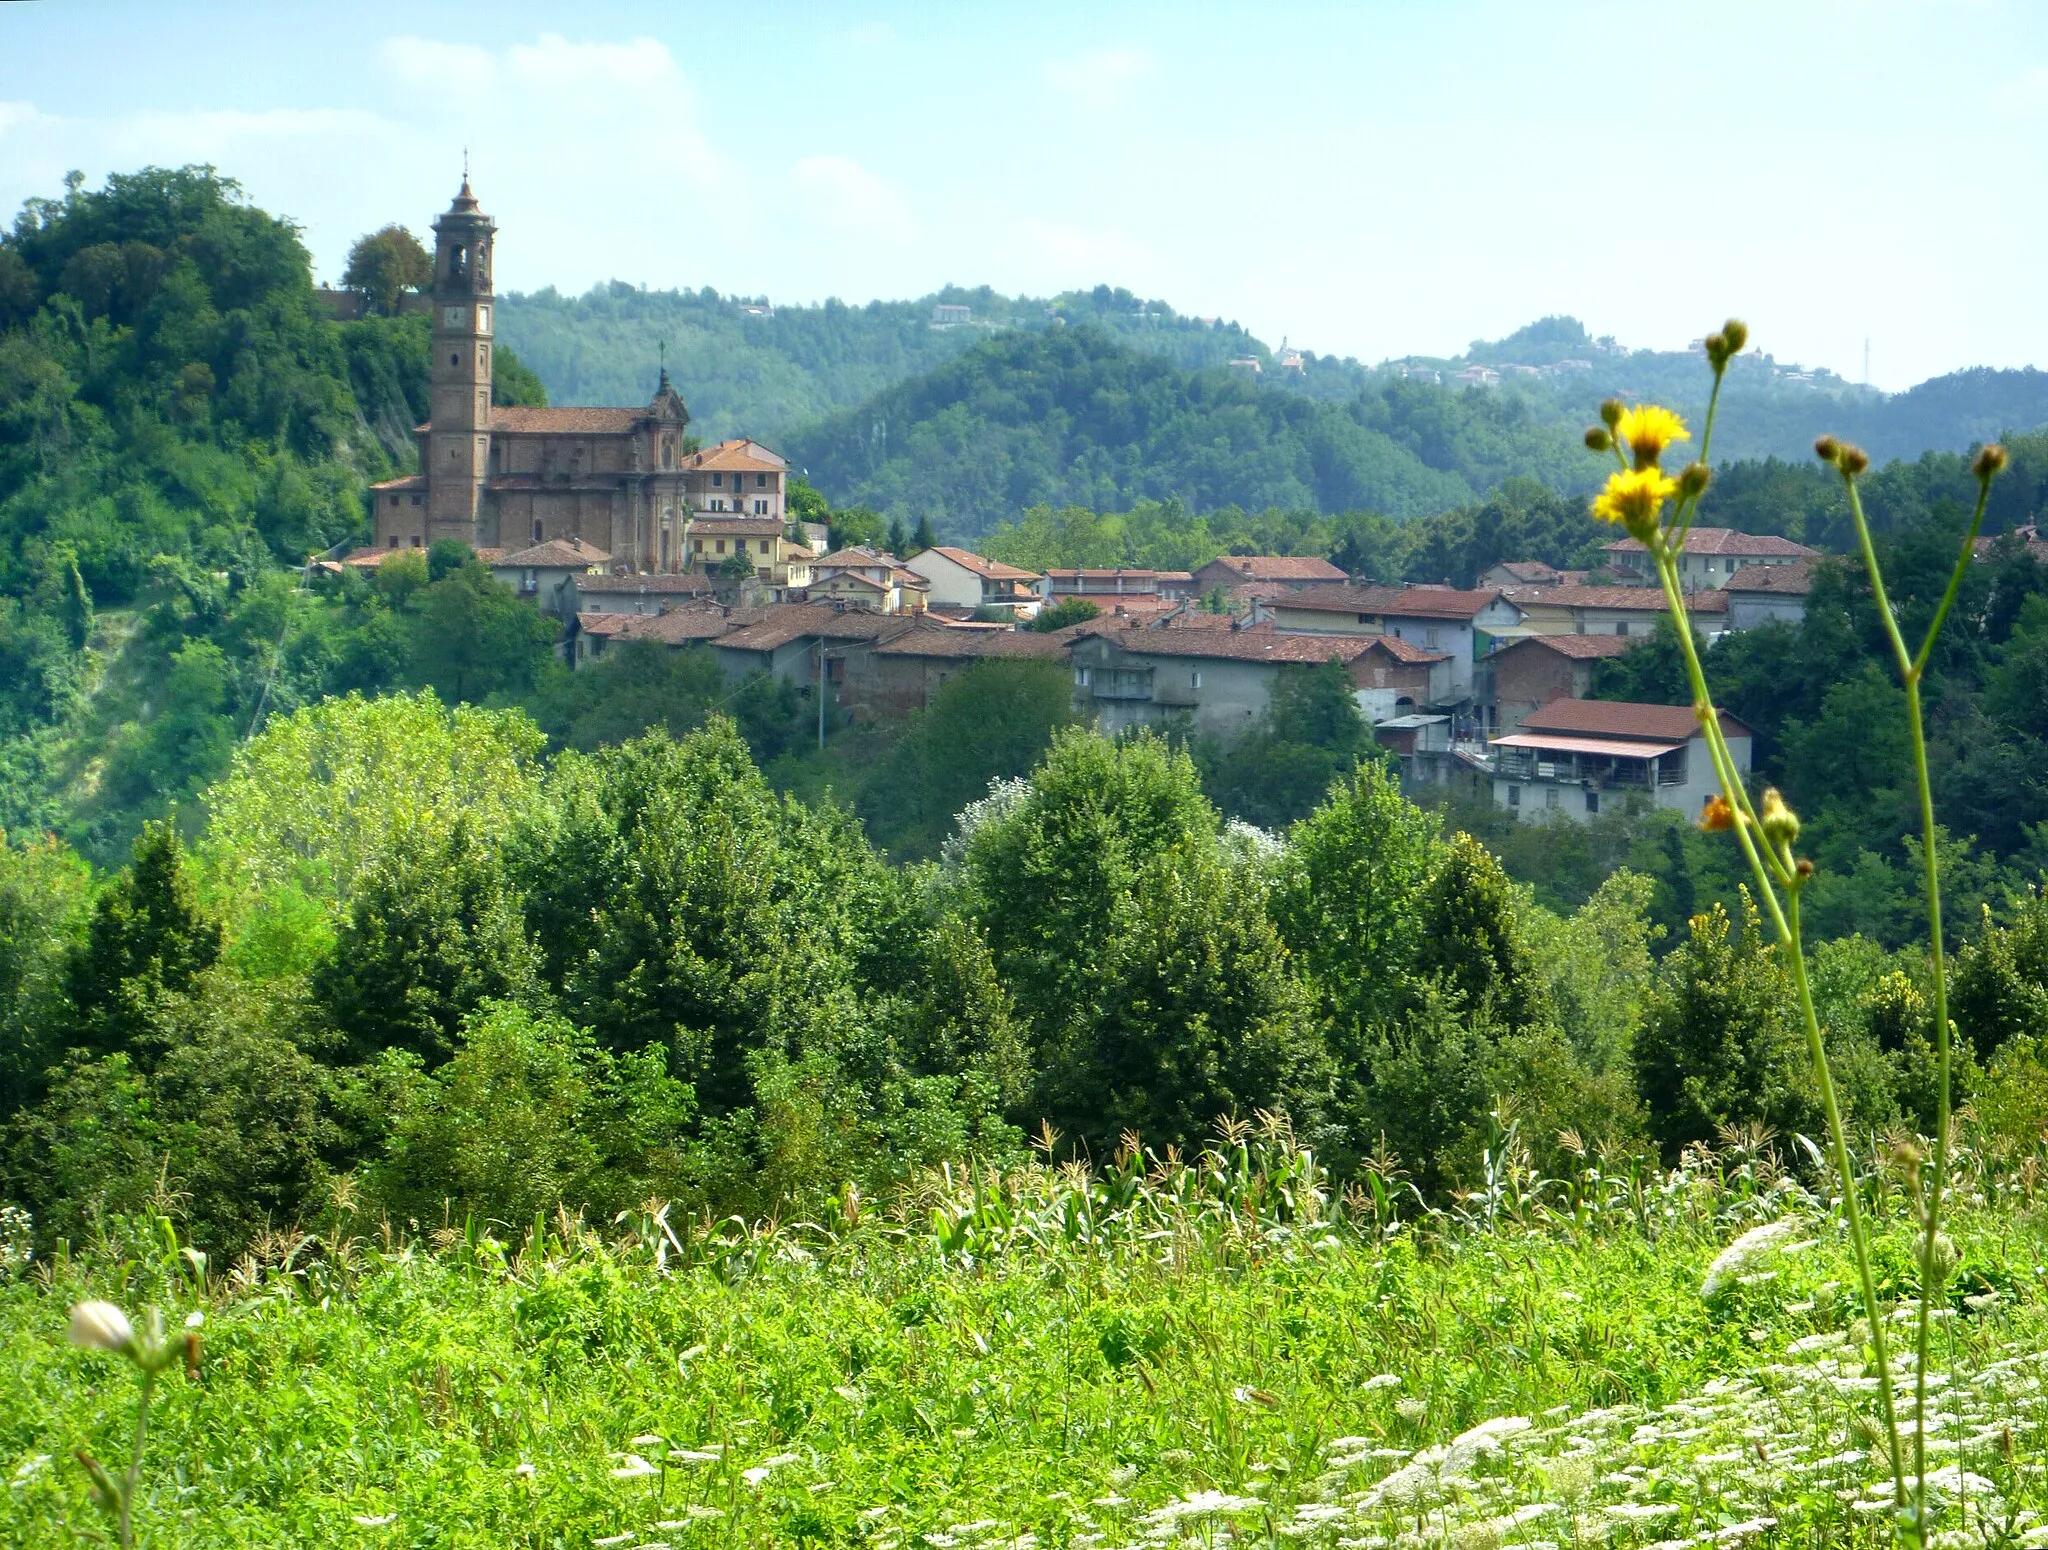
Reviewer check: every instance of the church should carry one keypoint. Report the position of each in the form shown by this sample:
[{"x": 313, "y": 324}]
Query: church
[{"x": 623, "y": 481}]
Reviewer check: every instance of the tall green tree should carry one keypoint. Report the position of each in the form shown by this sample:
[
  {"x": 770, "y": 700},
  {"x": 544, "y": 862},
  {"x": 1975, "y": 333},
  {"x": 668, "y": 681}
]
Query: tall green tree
[{"x": 384, "y": 265}]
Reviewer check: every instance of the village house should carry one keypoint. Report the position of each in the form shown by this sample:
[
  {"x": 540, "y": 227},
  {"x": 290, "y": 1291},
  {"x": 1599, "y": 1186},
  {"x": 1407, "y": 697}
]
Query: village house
[
  {"x": 1765, "y": 594},
  {"x": 781, "y": 565},
  {"x": 739, "y": 478},
  {"x": 1528, "y": 573},
  {"x": 1609, "y": 610},
  {"x": 1397, "y": 677},
  {"x": 1460, "y": 624},
  {"x": 596, "y": 633},
  {"x": 1221, "y": 678},
  {"x": 957, "y": 578},
  {"x": 1057, "y": 585},
  {"x": 1289, "y": 570},
  {"x": 787, "y": 641},
  {"x": 1710, "y": 557},
  {"x": 1529, "y": 673},
  {"x": 1585, "y": 757},
  {"x": 903, "y": 673},
  {"x": 548, "y": 574},
  {"x": 867, "y": 579}
]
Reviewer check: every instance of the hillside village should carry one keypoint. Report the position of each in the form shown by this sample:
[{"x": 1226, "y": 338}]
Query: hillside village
[{"x": 615, "y": 524}]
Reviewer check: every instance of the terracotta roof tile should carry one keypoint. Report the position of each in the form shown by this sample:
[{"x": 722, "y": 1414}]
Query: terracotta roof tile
[
  {"x": 523, "y": 420},
  {"x": 675, "y": 628},
  {"x": 1794, "y": 580},
  {"x": 1649, "y": 600},
  {"x": 741, "y": 453},
  {"x": 1281, "y": 567},
  {"x": 1580, "y": 648},
  {"x": 1724, "y": 540},
  {"x": 557, "y": 553},
  {"x": 788, "y": 622},
  {"x": 654, "y": 584},
  {"x": 1623, "y": 718},
  {"x": 993, "y": 570},
  {"x": 1235, "y": 645},
  {"x": 946, "y": 641},
  {"x": 1397, "y": 602},
  {"x": 407, "y": 482},
  {"x": 715, "y": 526}
]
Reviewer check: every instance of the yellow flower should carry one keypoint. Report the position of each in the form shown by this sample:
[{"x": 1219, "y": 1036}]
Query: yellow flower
[
  {"x": 1633, "y": 498},
  {"x": 1647, "y": 430}
]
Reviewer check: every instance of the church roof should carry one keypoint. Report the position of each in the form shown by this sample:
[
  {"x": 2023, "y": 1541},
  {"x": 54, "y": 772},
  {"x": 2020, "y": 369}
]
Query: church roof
[
  {"x": 526, "y": 420},
  {"x": 742, "y": 453}
]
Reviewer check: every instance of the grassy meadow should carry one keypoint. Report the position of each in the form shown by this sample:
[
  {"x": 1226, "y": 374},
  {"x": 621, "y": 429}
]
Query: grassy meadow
[{"x": 1205, "y": 1353}]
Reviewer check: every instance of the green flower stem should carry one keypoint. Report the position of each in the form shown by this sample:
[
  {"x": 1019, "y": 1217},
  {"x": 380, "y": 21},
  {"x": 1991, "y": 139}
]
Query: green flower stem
[
  {"x": 1933, "y": 1274},
  {"x": 1785, "y": 919},
  {"x": 132, "y": 1481}
]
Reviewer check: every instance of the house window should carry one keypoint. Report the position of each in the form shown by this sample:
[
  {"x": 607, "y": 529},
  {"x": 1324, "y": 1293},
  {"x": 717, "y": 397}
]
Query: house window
[
  {"x": 454, "y": 359},
  {"x": 760, "y": 481},
  {"x": 1429, "y": 636},
  {"x": 415, "y": 500},
  {"x": 536, "y": 529},
  {"x": 1080, "y": 673},
  {"x": 391, "y": 500},
  {"x": 717, "y": 481},
  {"x": 1514, "y": 796},
  {"x": 1194, "y": 680},
  {"x": 721, "y": 546},
  {"x": 1592, "y": 801},
  {"x": 764, "y": 546},
  {"x": 1550, "y": 796},
  {"x": 1621, "y": 628},
  {"x": 392, "y": 542},
  {"x": 760, "y": 508}
]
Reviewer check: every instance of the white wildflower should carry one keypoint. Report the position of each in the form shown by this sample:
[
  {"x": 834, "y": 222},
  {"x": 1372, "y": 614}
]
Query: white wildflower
[
  {"x": 30, "y": 1468},
  {"x": 1737, "y": 1259},
  {"x": 195, "y": 1320},
  {"x": 1382, "y": 1380},
  {"x": 614, "y": 1539},
  {"x": 523, "y": 1470},
  {"x": 647, "y": 1440},
  {"x": 692, "y": 1456},
  {"x": 382, "y": 1520},
  {"x": 634, "y": 1467},
  {"x": 1203, "y": 1504},
  {"x": 100, "y": 1326}
]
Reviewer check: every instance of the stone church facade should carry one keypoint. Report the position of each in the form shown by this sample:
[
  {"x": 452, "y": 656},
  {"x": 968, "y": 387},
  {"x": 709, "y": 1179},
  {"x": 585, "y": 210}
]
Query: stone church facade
[{"x": 623, "y": 481}]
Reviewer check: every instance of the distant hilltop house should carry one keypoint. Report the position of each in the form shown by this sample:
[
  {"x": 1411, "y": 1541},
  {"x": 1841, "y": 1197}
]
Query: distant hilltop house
[
  {"x": 1291, "y": 570},
  {"x": 948, "y": 314},
  {"x": 1584, "y": 757},
  {"x": 1767, "y": 594},
  {"x": 1712, "y": 555},
  {"x": 623, "y": 482}
]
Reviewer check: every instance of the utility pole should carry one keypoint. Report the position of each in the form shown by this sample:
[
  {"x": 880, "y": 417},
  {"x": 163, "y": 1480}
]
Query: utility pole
[{"x": 821, "y": 694}]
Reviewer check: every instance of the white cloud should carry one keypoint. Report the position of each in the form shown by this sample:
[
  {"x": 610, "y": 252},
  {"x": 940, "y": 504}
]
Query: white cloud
[
  {"x": 209, "y": 136},
  {"x": 641, "y": 66},
  {"x": 2024, "y": 95},
  {"x": 849, "y": 198},
  {"x": 1101, "y": 77},
  {"x": 1076, "y": 255},
  {"x": 15, "y": 115},
  {"x": 425, "y": 62}
]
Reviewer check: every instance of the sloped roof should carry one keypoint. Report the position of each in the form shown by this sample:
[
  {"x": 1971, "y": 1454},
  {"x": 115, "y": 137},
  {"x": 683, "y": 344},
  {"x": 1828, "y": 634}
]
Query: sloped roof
[
  {"x": 857, "y": 554},
  {"x": 992, "y": 570},
  {"x": 1795, "y": 580},
  {"x": 556, "y": 553},
  {"x": 788, "y": 622},
  {"x": 1235, "y": 645},
  {"x": 1061, "y": 573},
  {"x": 1405, "y": 650},
  {"x": 1281, "y": 567},
  {"x": 1400, "y": 602},
  {"x": 1534, "y": 572},
  {"x": 404, "y": 482},
  {"x": 1724, "y": 540},
  {"x": 1624, "y": 718},
  {"x": 928, "y": 640},
  {"x": 1649, "y": 600},
  {"x": 675, "y": 628},
  {"x": 522, "y": 420},
  {"x": 741, "y": 453},
  {"x": 1580, "y": 648},
  {"x": 715, "y": 526}
]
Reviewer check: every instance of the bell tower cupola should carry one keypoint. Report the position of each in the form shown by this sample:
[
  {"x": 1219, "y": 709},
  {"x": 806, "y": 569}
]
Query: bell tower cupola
[{"x": 457, "y": 457}]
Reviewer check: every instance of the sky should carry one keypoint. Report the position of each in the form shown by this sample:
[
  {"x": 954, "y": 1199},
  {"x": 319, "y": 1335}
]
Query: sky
[{"x": 1363, "y": 179}]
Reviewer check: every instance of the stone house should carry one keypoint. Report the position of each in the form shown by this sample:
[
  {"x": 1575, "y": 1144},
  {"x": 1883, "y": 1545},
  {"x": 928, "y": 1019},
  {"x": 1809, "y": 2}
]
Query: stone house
[
  {"x": 650, "y": 593},
  {"x": 1567, "y": 610},
  {"x": 1529, "y": 673},
  {"x": 787, "y": 641},
  {"x": 1434, "y": 618},
  {"x": 1290, "y": 570},
  {"x": 548, "y": 574},
  {"x": 595, "y": 633},
  {"x": 1585, "y": 757},
  {"x": 1220, "y": 677},
  {"x": 904, "y": 672},
  {"x": 1762, "y": 594}
]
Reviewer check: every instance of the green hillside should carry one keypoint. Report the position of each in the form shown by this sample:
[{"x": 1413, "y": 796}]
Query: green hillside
[
  {"x": 1075, "y": 417},
  {"x": 751, "y": 368}
]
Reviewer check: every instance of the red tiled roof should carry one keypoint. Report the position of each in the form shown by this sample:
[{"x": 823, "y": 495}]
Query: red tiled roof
[
  {"x": 1534, "y": 572},
  {"x": 1649, "y": 600},
  {"x": 1724, "y": 540},
  {"x": 742, "y": 453},
  {"x": 1580, "y": 648},
  {"x": 527, "y": 421},
  {"x": 1281, "y": 567},
  {"x": 1623, "y": 718},
  {"x": 1794, "y": 580},
  {"x": 927, "y": 640},
  {"x": 715, "y": 526},
  {"x": 406, "y": 482},
  {"x": 787, "y": 622},
  {"x": 369, "y": 557},
  {"x": 857, "y": 554},
  {"x": 557, "y": 553},
  {"x": 1058, "y": 573},
  {"x": 1399, "y": 602},
  {"x": 1235, "y": 645},
  {"x": 1406, "y": 650},
  {"x": 993, "y": 570}
]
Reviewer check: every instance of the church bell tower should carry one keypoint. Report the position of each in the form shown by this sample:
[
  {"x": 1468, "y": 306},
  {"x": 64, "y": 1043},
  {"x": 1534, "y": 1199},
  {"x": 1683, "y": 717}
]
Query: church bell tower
[{"x": 459, "y": 447}]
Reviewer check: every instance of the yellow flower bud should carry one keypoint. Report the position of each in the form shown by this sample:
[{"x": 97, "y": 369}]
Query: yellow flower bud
[
  {"x": 1692, "y": 484},
  {"x": 1717, "y": 351},
  {"x": 1779, "y": 823},
  {"x": 1611, "y": 412},
  {"x": 1597, "y": 439},
  {"x": 1717, "y": 815},
  {"x": 1736, "y": 332},
  {"x": 1827, "y": 449},
  {"x": 1854, "y": 459},
  {"x": 1990, "y": 459}
]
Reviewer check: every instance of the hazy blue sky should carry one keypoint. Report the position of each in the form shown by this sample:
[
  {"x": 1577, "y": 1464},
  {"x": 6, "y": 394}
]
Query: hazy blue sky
[{"x": 1367, "y": 179}]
